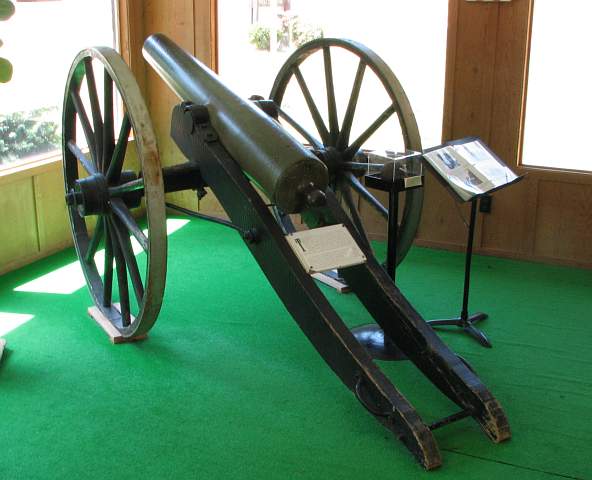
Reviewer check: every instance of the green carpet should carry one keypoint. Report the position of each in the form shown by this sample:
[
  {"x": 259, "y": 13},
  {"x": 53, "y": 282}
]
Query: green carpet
[{"x": 226, "y": 386}]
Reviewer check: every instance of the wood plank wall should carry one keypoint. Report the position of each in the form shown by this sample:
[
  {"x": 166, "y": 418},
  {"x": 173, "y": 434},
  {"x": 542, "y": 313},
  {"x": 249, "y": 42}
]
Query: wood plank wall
[
  {"x": 548, "y": 216},
  {"x": 33, "y": 216},
  {"x": 192, "y": 25}
]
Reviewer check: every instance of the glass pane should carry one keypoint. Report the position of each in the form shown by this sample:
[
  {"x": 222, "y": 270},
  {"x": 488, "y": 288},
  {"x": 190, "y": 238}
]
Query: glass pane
[
  {"x": 409, "y": 36},
  {"x": 41, "y": 40},
  {"x": 559, "y": 98}
]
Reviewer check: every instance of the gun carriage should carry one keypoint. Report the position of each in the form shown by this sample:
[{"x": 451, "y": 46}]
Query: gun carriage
[{"x": 231, "y": 146}]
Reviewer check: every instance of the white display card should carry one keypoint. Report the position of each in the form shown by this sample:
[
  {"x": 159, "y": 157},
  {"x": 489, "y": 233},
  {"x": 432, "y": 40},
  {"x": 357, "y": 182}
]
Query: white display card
[{"x": 325, "y": 248}]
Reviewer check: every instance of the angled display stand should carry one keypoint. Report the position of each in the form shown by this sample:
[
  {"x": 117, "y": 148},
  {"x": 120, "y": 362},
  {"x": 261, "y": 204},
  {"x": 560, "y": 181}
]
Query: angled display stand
[{"x": 469, "y": 170}]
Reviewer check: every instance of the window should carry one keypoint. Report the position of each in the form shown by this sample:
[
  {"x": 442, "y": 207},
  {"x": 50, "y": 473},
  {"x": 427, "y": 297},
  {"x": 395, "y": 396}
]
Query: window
[
  {"x": 255, "y": 37},
  {"x": 559, "y": 98},
  {"x": 41, "y": 40}
]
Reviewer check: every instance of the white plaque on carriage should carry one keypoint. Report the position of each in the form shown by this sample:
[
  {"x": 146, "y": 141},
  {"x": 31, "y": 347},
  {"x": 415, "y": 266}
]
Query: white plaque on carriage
[{"x": 326, "y": 248}]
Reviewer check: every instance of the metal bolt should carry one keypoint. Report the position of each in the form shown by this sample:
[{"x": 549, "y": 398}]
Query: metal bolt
[
  {"x": 251, "y": 235},
  {"x": 73, "y": 198}
]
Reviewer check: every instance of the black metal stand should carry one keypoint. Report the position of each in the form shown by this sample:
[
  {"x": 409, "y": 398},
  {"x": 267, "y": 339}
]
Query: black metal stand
[
  {"x": 466, "y": 321},
  {"x": 394, "y": 188},
  {"x": 392, "y": 231},
  {"x": 371, "y": 335}
]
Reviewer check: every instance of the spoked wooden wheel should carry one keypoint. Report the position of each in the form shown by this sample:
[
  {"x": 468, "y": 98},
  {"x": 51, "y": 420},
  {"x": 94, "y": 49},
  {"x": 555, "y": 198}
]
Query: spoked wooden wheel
[
  {"x": 124, "y": 265},
  {"x": 318, "y": 122}
]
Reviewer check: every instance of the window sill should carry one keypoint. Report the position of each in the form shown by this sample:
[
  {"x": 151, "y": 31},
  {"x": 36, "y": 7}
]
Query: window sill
[
  {"x": 35, "y": 166},
  {"x": 557, "y": 174}
]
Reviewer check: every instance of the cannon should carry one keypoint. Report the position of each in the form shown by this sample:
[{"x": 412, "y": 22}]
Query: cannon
[{"x": 260, "y": 172}]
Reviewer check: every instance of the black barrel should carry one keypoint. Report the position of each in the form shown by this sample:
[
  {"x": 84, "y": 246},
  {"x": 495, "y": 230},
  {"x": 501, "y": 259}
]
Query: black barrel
[{"x": 278, "y": 163}]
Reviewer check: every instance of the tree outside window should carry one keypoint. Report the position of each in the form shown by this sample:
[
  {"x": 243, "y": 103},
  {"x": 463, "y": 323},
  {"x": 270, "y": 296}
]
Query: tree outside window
[{"x": 40, "y": 40}]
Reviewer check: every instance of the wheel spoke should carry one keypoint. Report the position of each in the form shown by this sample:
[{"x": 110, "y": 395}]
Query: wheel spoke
[
  {"x": 108, "y": 276},
  {"x": 130, "y": 260},
  {"x": 108, "y": 121},
  {"x": 94, "y": 242},
  {"x": 95, "y": 111},
  {"x": 348, "y": 119},
  {"x": 307, "y": 136},
  {"x": 354, "y": 215},
  {"x": 120, "y": 148},
  {"x": 121, "y": 277},
  {"x": 331, "y": 104},
  {"x": 123, "y": 213},
  {"x": 131, "y": 186},
  {"x": 365, "y": 194},
  {"x": 314, "y": 111},
  {"x": 83, "y": 117},
  {"x": 355, "y": 146},
  {"x": 82, "y": 158},
  {"x": 366, "y": 72}
]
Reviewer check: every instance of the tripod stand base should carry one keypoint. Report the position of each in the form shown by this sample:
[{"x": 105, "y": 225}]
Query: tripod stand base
[
  {"x": 467, "y": 324},
  {"x": 372, "y": 338}
]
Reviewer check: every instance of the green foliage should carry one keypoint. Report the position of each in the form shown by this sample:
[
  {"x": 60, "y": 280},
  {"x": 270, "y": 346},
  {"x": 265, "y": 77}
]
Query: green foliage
[
  {"x": 291, "y": 30},
  {"x": 302, "y": 32},
  {"x": 27, "y": 133},
  {"x": 259, "y": 36},
  {"x": 6, "y": 11},
  {"x": 5, "y": 70}
]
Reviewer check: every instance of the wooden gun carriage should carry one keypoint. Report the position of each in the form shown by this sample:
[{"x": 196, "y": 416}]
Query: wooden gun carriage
[{"x": 233, "y": 145}]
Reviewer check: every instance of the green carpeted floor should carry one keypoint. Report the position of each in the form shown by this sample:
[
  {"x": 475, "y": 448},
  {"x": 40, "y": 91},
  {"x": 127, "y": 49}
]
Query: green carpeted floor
[{"x": 226, "y": 386}]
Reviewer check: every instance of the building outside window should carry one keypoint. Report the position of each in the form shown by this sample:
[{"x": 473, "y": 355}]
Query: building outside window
[{"x": 255, "y": 37}]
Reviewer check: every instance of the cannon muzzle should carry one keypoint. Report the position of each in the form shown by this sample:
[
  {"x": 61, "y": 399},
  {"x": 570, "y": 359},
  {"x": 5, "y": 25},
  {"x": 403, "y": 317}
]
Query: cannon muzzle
[{"x": 288, "y": 173}]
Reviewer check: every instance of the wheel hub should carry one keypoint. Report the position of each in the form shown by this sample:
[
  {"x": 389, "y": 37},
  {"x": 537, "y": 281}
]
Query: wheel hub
[
  {"x": 91, "y": 195},
  {"x": 332, "y": 158}
]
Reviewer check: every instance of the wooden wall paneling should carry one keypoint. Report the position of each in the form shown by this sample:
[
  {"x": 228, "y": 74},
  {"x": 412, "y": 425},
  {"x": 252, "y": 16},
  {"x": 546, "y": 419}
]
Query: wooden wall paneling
[
  {"x": 205, "y": 31},
  {"x": 176, "y": 20},
  {"x": 512, "y": 220},
  {"x": 191, "y": 24},
  {"x": 564, "y": 229},
  {"x": 130, "y": 17},
  {"x": 210, "y": 205},
  {"x": 475, "y": 62},
  {"x": 18, "y": 226},
  {"x": 451, "y": 43},
  {"x": 513, "y": 217},
  {"x": 475, "y": 55},
  {"x": 566, "y": 176},
  {"x": 51, "y": 211},
  {"x": 470, "y": 63},
  {"x": 205, "y": 47},
  {"x": 530, "y": 208},
  {"x": 443, "y": 218}
]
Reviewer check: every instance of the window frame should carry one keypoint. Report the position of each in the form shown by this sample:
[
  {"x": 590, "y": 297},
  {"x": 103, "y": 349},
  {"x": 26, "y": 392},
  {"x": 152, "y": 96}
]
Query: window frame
[{"x": 49, "y": 161}]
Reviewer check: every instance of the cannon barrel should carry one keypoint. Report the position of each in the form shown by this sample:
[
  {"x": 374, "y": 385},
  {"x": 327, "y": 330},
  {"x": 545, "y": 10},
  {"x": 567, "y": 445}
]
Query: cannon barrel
[{"x": 288, "y": 173}]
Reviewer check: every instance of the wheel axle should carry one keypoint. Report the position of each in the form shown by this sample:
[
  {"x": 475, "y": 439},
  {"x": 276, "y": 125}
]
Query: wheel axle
[{"x": 92, "y": 195}]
